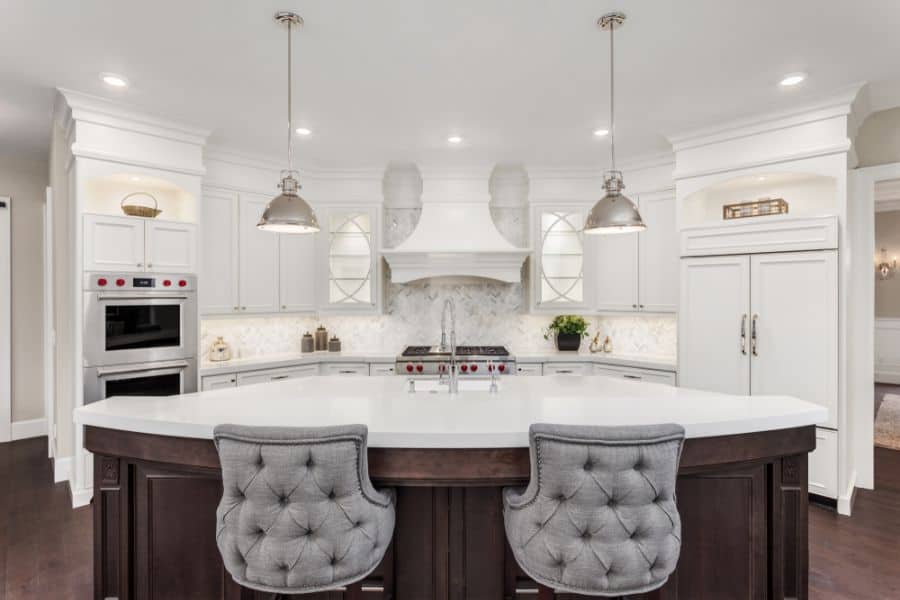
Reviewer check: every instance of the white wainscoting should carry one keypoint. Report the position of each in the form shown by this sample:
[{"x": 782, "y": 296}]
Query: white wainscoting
[{"x": 887, "y": 350}]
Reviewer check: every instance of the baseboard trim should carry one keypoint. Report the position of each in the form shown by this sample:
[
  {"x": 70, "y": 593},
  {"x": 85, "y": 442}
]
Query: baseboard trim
[
  {"x": 889, "y": 377},
  {"x": 62, "y": 468},
  {"x": 845, "y": 500},
  {"x": 32, "y": 428},
  {"x": 80, "y": 497}
]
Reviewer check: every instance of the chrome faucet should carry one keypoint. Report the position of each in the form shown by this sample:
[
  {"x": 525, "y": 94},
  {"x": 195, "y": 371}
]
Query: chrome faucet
[{"x": 450, "y": 307}]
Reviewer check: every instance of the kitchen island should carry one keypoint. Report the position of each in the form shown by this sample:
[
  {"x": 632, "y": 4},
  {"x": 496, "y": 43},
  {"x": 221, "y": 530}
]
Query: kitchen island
[{"x": 741, "y": 487}]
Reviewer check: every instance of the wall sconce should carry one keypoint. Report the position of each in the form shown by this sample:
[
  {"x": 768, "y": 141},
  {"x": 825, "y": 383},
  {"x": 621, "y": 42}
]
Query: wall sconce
[{"x": 885, "y": 269}]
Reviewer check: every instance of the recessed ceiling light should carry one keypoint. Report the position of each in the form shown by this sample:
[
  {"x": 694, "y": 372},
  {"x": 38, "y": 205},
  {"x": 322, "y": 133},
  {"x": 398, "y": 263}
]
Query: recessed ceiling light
[
  {"x": 454, "y": 139},
  {"x": 792, "y": 79},
  {"x": 135, "y": 178},
  {"x": 760, "y": 178},
  {"x": 304, "y": 131},
  {"x": 113, "y": 80},
  {"x": 601, "y": 132}
]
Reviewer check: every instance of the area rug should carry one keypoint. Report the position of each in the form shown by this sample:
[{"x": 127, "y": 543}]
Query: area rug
[{"x": 887, "y": 423}]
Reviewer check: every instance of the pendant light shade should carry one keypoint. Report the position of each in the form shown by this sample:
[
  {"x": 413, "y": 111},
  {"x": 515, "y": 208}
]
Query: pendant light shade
[
  {"x": 615, "y": 212},
  {"x": 288, "y": 212}
]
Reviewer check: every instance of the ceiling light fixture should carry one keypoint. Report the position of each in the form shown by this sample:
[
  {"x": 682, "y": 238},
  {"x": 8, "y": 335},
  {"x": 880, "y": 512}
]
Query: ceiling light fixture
[
  {"x": 601, "y": 132},
  {"x": 614, "y": 213},
  {"x": 288, "y": 212},
  {"x": 792, "y": 79},
  {"x": 454, "y": 139},
  {"x": 303, "y": 131},
  {"x": 113, "y": 80}
]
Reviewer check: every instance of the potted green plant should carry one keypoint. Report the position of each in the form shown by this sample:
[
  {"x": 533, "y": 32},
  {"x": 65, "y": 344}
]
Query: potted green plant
[{"x": 568, "y": 331}]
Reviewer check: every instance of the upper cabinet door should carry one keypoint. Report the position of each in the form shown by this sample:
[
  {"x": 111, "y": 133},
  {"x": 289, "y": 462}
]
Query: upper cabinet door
[
  {"x": 258, "y": 259},
  {"x": 714, "y": 324},
  {"x": 795, "y": 315},
  {"x": 113, "y": 243},
  {"x": 219, "y": 255},
  {"x": 559, "y": 263},
  {"x": 350, "y": 268},
  {"x": 615, "y": 260},
  {"x": 658, "y": 254},
  {"x": 171, "y": 247},
  {"x": 297, "y": 281}
]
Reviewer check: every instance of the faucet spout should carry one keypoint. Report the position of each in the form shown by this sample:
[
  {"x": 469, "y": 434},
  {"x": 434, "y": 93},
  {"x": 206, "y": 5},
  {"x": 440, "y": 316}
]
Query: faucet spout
[{"x": 450, "y": 308}]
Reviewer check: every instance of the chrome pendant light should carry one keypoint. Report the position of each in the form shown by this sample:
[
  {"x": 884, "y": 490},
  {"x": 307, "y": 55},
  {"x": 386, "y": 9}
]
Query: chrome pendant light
[
  {"x": 288, "y": 212},
  {"x": 614, "y": 213}
]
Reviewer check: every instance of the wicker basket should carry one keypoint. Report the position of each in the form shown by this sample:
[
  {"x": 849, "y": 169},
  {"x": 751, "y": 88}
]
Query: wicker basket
[{"x": 140, "y": 210}]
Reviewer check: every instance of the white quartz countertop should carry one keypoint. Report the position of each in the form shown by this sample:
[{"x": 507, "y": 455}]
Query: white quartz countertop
[
  {"x": 470, "y": 419},
  {"x": 289, "y": 359}
]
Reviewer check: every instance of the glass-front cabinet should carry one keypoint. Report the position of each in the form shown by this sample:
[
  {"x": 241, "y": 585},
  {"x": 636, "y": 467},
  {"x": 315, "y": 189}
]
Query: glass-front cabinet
[
  {"x": 559, "y": 259},
  {"x": 350, "y": 269}
]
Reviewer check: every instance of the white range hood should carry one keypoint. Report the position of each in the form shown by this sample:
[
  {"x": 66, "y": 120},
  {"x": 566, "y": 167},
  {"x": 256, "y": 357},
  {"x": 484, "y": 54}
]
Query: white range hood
[{"x": 455, "y": 239}]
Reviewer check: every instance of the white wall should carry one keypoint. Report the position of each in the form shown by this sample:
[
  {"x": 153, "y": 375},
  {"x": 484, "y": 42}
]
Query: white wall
[{"x": 25, "y": 182}]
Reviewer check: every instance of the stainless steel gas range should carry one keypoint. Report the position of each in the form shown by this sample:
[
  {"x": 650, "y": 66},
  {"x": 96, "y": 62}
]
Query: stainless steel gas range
[{"x": 473, "y": 361}]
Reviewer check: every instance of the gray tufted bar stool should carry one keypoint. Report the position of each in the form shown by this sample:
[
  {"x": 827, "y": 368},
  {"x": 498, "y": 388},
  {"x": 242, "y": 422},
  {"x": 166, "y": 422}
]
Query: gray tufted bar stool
[
  {"x": 298, "y": 513},
  {"x": 599, "y": 516}
]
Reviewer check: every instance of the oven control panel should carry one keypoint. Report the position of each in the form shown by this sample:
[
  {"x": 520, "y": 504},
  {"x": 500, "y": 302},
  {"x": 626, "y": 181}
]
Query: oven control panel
[{"x": 137, "y": 282}]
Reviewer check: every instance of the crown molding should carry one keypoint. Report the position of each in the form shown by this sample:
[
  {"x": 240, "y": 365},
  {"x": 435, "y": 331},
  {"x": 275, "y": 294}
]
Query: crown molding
[
  {"x": 836, "y": 105},
  {"x": 93, "y": 109},
  {"x": 887, "y": 191},
  {"x": 636, "y": 163}
]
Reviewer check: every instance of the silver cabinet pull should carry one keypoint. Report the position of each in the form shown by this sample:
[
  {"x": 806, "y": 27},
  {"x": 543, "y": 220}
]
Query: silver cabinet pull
[
  {"x": 630, "y": 376},
  {"x": 140, "y": 264},
  {"x": 564, "y": 371},
  {"x": 277, "y": 377},
  {"x": 753, "y": 337},
  {"x": 744, "y": 334}
]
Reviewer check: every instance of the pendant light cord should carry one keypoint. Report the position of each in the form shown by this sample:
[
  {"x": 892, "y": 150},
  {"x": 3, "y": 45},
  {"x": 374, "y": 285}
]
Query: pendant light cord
[
  {"x": 612, "y": 96},
  {"x": 290, "y": 118}
]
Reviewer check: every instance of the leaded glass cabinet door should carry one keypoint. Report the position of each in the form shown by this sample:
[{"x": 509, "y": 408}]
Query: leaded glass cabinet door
[
  {"x": 350, "y": 265},
  {"x": 559, "y": 268}
]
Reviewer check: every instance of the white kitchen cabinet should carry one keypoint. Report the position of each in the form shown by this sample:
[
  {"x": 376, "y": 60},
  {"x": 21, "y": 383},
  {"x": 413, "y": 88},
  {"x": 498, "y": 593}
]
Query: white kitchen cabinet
[
  {"x": 113, "y": 243},
  {"x": 170, "y": 247},
  {"x": 658, "y": 254},
  {"x": 218, "y": 382},
  {"x": 714, "y": 324},
  {"x": 381, "y": 368},
  {"x": 559, "y": 261},
  {"x": 823, "y": 472},
  {"x": 279, "y": 374},
  {"x": 349, "y": 272},
  {"x": 639, "y": 271},
  {"x": 297, "y": 272},
  {"x": 635, "y": 374},
  {"x": 258, "y": 259},
  {"x": 123, "y": 244},
  {"x": 562, "y": 368},
  {"x": 529, "y": 369},
  {"x": 347, "y": 369},
  {"x": 219, "y": 255}
]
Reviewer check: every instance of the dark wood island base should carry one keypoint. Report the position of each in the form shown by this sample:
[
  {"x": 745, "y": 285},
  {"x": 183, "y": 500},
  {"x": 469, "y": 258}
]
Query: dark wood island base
[{"x": 742, "y": 498}]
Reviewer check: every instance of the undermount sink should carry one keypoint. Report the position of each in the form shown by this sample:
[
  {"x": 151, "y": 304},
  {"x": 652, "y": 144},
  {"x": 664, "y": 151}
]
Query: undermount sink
[{"x": 433, "y": 386}]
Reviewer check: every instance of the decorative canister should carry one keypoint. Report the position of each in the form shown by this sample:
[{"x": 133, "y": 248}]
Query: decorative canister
[
  {"x": 321, "y": 338},
  {"x": 307, "y": 343},
  {"x": 607, "y": 345},
  {"x": 219, "y": 350},
  {"x": 334, "y": 344}
]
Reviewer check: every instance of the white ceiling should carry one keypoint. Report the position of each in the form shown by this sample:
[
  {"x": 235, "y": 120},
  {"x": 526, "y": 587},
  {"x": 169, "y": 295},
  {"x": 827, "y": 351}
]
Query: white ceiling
[{"x": 520, "y": 80}]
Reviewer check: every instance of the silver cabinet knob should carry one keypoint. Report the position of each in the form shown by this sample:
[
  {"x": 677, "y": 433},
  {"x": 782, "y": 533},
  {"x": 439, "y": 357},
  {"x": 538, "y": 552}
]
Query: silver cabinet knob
[
  {"x": 283, "y": 306},
  {"x": 149, "y": 265},
  {"x": 243, "y": 308},
  {"x": 140, "y": 264},
  {"x": 237, "y": 308}
]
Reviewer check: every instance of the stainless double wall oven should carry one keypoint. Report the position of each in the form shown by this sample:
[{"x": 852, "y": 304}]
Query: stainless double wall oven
[{"x": 140, "y": 335}]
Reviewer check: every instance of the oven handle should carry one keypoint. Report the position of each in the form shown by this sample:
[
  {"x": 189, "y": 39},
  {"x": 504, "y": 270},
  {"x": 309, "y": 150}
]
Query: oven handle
[
  {"x": 177, "y": 365},
  {"x": 144, "y": 297}
]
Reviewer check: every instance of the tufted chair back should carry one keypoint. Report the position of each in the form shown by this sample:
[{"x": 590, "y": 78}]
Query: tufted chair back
[
  {"x": 298, "y": 512},
  {"x": 599, "y": 515}
]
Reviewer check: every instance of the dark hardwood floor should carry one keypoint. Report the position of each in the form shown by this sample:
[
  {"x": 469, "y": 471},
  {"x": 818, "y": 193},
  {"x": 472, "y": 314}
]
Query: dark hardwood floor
[{"x": 45, "y": 546}]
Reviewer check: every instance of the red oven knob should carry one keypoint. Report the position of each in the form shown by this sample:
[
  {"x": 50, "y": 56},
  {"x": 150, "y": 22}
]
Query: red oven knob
[
  {"x": 182, "y": 283},
  {"x": 490, "y": 368},
  {"x": 102, "y": 281},
  {"x": 463, "y": 368},
  {"x": 501, "y": 367},
  {"x": 442, "y": 368},
  {"x": 474, "y": 367},
  {"x": 419, "y": 367},
  {"x": 409, "y": 367},
  {"x": 120, "y": 282},
  {"x": 167, "y": 282}
]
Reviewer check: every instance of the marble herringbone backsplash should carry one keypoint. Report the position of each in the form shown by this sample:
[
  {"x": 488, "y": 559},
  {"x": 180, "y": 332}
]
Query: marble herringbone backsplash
[{"x": 487, "y": 313}]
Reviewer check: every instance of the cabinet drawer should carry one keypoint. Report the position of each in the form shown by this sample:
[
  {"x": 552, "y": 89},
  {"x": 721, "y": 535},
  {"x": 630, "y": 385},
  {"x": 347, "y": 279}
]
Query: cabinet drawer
[
  {"x": 381, "y": 368},
  {"x": 648, "y": 375},
  {"x": 529, "y": 369},
  {"x": 567, "y": 369},
  {"x": 348, "y": 369},
  {"x": 823, "y": 464},
  {"x": 217, "y": 382},
  {"x": 267, "y": 375}
]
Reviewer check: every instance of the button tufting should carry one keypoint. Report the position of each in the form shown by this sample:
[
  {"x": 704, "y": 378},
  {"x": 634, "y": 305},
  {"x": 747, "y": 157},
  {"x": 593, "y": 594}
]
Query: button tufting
[
  {"x": 586, "y": 534},
  {"x": 561, "y": 497},
  {"x": 309, "y": 462},
  {"x": 333, "y": 561},
  {"x": 331, "y": 495},
  {"x": 588, "y": 466},
  {"x": 357, "y": 524}
]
